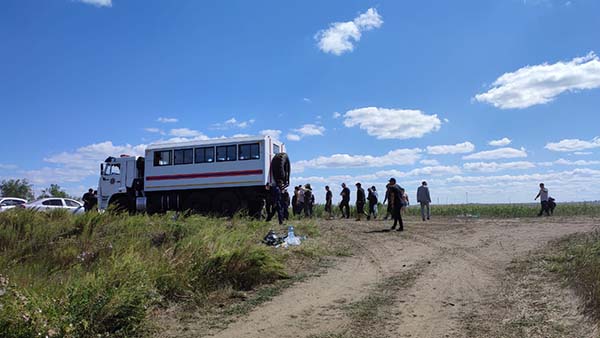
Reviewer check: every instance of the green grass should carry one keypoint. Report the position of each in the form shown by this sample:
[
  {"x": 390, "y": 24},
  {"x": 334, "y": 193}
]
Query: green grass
[
  {"x": 484, "y": 210},
  {"x": 577, "y": 261},
  {"x": 103, "y": 274}
]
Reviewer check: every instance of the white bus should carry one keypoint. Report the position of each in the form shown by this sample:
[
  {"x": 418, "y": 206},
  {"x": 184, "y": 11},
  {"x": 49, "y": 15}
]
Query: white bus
[{"x": 219, "y": 175}]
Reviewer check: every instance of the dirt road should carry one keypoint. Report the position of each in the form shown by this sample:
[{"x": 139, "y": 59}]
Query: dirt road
[{"x": 444, "y": 278}]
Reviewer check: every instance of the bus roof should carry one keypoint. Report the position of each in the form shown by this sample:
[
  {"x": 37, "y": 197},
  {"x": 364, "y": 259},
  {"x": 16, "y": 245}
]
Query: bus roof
[{"x": 214, "y": 141}]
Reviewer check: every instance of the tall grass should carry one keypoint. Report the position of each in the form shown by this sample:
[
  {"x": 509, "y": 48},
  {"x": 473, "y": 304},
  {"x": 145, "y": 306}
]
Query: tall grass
[{"x": 101, "y": 274}]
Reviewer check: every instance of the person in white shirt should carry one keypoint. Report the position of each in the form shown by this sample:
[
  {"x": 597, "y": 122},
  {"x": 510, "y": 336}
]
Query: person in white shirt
[{"x": 543, "y": 196}]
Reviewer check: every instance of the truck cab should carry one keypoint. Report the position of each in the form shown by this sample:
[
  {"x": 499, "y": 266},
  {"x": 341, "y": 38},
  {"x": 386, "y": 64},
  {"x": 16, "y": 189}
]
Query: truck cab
[{"x": 118, "y": 177}]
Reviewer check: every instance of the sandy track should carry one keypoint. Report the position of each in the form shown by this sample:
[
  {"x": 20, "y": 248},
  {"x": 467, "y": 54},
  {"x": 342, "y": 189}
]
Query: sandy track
[{"x": 459, "y": 265}]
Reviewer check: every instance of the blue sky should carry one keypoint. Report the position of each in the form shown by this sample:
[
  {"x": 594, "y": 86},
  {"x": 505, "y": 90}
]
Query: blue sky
[{"x": 358, "y": 90}]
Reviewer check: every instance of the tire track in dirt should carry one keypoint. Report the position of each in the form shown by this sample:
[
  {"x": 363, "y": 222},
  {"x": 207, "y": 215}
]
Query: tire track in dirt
[{"x": 457, "y": 265}]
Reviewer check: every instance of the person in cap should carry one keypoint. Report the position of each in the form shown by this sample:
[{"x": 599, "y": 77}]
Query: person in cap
[
  {"x": 395, "y": 199},
  {"x": 361, "y": 200},
  {"x": 423, "y": 198},
  {"x": 345, "y": 203}
]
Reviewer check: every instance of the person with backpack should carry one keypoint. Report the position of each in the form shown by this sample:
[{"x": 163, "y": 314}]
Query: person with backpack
[
  {"x": 373, "y": 200},
  {"x": 396, "y": 202},
  {"x": 543, "y": 196}
]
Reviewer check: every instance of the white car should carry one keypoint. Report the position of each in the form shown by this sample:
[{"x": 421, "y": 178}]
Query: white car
[
  {"x": 52, "y": 203},
  {"x": 7, "y": 203}
]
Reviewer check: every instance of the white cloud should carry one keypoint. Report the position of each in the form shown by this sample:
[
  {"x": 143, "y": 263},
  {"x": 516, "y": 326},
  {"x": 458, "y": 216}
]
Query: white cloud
[
  {"x": 233, "y": 123},
  {"x": 582, "y": 153},
  {"x": 503, "y": 142},
  {"x": 310, "y": 130},
  {"x": 460, "y": 148},
  {"x": 98, "y": 3},
  {"x": 341, "y": 36},
  {"x": 274, "y": 133},
  {"x": 336, "y": 115},
  {"x": 392, "y": 123},
  {"x": 186, "y": 132},
  {"x": 539, "y": 84},
  {"x": 307, "y": 100},
  {"x": 438, "y": 170},
  {"x": 489, "y": 167},
  {"x": 569, "y": 145},
  {"x": 497, "y": 154},
  {"x": 167, "y": 120},
  {"x": 430, "y": 162},
  {"x": 154, "y": 131},
  {"x": 394, "y": 157},
  {"x": 562, "y": 161},
  {"x": 293, "y": 137}
]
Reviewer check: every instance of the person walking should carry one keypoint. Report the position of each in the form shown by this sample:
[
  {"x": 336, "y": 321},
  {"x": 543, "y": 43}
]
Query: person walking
[
  {"x": 424, "y": 199},
  {"x": 543, "y": 196},
  {"x": 309, "y": 200},
  {"x": 328, "y": 202},
  {"x": 276, "y": 203},
  {"x": 373, "y": 200},
  {"x": 345, "y": 203},
  {"x": 395, "y": 200},
  {"x": 361, "y": 200},
  {"x": 87, "y": 200},
  {"x": 389, "y": 205},
  {"x": 285, "y": 198}
]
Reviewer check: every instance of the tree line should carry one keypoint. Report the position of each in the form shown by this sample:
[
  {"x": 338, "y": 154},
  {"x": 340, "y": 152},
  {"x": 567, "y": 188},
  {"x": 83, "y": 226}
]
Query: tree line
[{"x": 21, "y": 188}]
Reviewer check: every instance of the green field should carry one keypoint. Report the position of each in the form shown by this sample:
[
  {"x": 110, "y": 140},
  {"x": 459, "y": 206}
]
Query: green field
[{"x": 99, "y": 275}]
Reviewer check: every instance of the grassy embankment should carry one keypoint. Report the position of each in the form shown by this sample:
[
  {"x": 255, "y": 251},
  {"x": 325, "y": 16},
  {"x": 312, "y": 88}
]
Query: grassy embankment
[
  {"x": 104, "y": 274},
  {"x": 577, "y": 261}
]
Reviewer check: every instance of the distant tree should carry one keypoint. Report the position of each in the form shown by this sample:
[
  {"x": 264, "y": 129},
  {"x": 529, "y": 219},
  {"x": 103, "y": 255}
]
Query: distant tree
[
  {"x": 20, "y": 188},
  {"x": 54, "y": 190}
]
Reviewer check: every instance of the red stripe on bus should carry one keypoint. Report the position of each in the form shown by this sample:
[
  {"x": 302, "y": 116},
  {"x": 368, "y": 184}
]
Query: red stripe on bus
[{"x": 205, "y": 175}]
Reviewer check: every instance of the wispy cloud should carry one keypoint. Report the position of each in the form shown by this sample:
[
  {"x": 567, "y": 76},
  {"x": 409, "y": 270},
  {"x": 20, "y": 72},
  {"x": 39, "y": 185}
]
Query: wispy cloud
[
  {"x": 489, "y": 167},
  {"x": 306, "y": 130},
  {"x": 539, "y": 84},
  {"x": 233, "y": 123},
  {"x": 274, "y": 133},
  {"x": 167, "y": 120},
  {"x": 497, "y": 154},
  {"x": 394, "y": 157},
  {"x": 97, "y": 3},
  {"x": 460, "y": 148},
  {"x": 340, "y": 37}
]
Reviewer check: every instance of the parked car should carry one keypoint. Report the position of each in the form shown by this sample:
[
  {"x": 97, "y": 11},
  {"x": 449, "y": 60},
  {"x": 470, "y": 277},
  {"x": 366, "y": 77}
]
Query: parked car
[
  {"x": 10, "y": 202},
  {"x": 52, "y": 203}
]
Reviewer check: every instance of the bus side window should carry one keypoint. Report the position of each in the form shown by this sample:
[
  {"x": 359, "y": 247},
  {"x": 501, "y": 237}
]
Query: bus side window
[{"x": 276, "y": 149}]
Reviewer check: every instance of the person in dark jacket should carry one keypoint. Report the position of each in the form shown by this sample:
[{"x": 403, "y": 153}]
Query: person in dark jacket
[
  {"x": 361, "y": 200},
  {"x": 87, "y": 199},
  {"x": 345, "y": 203},
  {"x": 389, "y": 205},
  {"x": 295, "y": 202},
  {"x": 309, "y": 200},
  {"x": 285, "y": 196},
  {"x": 277, "y": 204},
  {"x": 328, "y": 202},
  {"x": 395, "y": 199}
]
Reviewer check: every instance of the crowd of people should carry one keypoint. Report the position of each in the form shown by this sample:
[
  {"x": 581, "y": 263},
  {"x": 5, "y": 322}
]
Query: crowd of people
[{"x": 302, "y": 202}]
